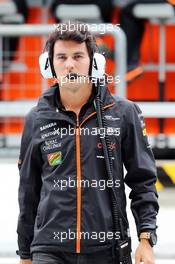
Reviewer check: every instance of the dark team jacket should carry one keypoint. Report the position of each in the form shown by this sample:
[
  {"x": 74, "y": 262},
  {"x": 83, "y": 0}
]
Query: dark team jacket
[{"x": 63, "y": 205}]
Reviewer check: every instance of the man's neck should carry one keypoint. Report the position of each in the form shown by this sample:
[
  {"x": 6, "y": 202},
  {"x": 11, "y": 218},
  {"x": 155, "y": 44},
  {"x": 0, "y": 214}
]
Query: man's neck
[{"x": 74, "y": 100}]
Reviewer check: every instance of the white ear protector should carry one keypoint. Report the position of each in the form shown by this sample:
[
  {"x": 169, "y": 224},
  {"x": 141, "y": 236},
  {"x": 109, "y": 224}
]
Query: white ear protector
[
  {"x": 45, "y": 67},
  {"x": 98, "y": 66}
]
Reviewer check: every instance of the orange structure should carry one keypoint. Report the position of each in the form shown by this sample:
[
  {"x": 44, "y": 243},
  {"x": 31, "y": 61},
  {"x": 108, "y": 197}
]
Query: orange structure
[{"x": 28, "y": 84}]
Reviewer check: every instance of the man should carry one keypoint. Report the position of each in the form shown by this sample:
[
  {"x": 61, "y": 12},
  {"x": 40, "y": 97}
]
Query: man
[{"x": 65, "y": 212}]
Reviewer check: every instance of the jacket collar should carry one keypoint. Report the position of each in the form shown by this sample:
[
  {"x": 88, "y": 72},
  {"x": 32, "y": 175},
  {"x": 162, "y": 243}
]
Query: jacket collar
[
  {"x": 50, "y": 100},
  {"x": 59, "y": 104}
]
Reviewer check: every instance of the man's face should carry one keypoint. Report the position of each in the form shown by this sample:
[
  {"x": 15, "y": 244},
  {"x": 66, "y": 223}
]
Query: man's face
[{"x": 70, "y": 57}]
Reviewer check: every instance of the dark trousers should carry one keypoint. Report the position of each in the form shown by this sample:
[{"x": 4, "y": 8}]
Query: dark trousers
[
  {"x": 134, "y": 30},
  {"x": 101, "y": 257}
]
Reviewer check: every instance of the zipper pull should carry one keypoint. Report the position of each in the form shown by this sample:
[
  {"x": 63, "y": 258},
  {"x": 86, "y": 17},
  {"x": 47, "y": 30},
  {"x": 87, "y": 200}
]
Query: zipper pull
[{"x": 77, "y": 121}]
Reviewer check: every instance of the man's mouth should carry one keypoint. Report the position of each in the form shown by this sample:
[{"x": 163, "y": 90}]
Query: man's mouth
[{"x": 72, "y": 76}]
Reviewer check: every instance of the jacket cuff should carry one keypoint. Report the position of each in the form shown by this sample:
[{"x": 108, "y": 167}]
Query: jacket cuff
[
  {"x": 23, "y": 254},
  {"x": 146, "y": 228}
]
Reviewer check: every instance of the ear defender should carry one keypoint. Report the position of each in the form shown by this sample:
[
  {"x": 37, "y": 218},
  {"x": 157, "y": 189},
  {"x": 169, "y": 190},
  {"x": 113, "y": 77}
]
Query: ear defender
[
  {"x": 98, "y": 66},
  {"x": 45, "y": 66}
]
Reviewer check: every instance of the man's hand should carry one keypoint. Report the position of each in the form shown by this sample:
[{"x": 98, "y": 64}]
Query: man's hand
[
  {"x": 25, "y": 261},
  {"x": 144, "y": 253}
]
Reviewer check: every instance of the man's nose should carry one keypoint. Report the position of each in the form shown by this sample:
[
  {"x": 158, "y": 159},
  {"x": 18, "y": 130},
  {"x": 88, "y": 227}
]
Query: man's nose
[{"x": 69, "y": 64}]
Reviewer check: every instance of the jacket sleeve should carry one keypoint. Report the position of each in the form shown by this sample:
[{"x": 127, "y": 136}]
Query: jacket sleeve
[
  {"x": 29, "y": 165},
  {"x": 141, "y": 170}
]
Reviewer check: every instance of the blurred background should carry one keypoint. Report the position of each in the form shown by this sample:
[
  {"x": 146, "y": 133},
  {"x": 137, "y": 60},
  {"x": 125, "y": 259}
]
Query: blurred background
[{"x": 142, "y": 53}]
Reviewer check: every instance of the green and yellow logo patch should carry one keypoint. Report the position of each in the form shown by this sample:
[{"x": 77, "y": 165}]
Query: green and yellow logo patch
[
  {"x": 55, "y": 158},
  {"x": 144, "y": 132}
]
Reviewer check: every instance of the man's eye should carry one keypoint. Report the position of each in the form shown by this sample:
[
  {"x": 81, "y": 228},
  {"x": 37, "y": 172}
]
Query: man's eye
[
  {"x": 61, "y": 57},
  {"x": 77, "y": 56}
]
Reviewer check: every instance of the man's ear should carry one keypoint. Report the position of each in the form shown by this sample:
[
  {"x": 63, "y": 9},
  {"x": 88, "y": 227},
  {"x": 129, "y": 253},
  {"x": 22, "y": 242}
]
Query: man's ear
[
  {"x": 45, "y": 66},
  {"x": 98, "y": 65}
]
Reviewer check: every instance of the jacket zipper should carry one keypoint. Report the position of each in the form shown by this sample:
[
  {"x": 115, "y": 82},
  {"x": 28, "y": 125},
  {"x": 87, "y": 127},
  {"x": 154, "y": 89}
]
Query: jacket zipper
[
  {"x": 78, "y": 186},
  {"x": 105, "y": 107},
  {"x": 78, "y": 162}
]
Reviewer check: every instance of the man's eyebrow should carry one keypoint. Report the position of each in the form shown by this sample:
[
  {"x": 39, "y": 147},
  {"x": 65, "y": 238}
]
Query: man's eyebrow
[
  {"x": 61, "y": 53},
  {"x": 79, "y": 52},
  {"x": 75, "y": 53}
]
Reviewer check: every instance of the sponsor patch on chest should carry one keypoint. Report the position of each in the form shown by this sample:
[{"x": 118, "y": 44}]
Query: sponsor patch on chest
[
  {"x": 46, "y": 126},
  {"x": 51, "y": 145},
  {"x": 55, "y": 158}
]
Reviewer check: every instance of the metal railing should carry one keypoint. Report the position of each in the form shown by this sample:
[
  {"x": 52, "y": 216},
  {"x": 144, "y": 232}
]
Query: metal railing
[
  {"x": 43, "y": 30},
  {"x": 20, "y": 108}
]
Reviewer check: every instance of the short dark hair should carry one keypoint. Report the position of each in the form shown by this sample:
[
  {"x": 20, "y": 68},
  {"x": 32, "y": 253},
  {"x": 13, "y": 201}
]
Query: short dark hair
[{"x": 73, "y": 31}]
